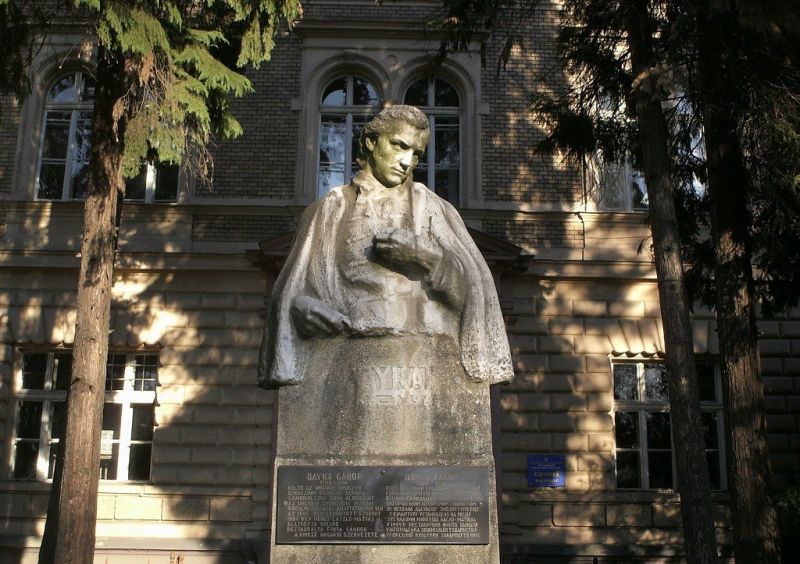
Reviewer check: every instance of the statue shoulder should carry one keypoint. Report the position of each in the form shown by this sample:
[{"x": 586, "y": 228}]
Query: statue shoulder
[
  {"x": 433, "y": 199},
  {"x": 336, "y": 196},
  {"x": 332, "y": 199}
]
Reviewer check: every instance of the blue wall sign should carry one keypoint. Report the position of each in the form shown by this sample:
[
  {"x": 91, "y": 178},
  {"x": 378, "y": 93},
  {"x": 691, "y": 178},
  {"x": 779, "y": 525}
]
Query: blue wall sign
[{"x": 546, "y": 471}]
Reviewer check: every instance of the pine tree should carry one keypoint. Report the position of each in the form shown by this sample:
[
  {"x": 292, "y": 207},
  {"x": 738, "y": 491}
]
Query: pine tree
[
  {"x": 613, "y": 54},
  {"x": 728, "y": 68},
  {"x": 745, "y": 84},
  {"x": 166, "y": 73}
]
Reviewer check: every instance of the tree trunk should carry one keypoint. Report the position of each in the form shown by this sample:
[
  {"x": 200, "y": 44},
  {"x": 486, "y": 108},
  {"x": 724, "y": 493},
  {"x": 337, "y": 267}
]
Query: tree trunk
[
  {"x": 693, "y": 484},
  {"x": 755, "y": 524},
  {"x": 69, "y": 535}
]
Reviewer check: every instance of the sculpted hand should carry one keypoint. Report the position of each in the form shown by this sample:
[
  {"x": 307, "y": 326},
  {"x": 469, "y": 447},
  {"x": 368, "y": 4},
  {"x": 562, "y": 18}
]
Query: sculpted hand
[
  {"x": 312, "y": 317},
  {"x": 401, "y": 247}
]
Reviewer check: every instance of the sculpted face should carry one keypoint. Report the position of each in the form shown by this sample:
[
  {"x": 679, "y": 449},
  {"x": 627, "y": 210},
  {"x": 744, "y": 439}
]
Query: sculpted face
[{"x": 395, "y": 153}]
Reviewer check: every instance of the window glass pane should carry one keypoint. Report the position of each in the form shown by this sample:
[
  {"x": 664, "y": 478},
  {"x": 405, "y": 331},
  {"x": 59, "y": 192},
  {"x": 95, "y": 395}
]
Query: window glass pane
[
  {"x": 109, "y": 435},
  {"x": 56, "y": 135},
  {"x": 87, "y": 92},
  {"x": 447, "y": 185},
  {"x": 166, "y": 183},
  {"x": 710, "y": 430},
  {"x": 145, "y": 373},
  {"x": 660, "y": 469},
  {"x": 29, "y": 419},
  {"x": 83, "y": 136},
  {"x": 109, "y": 456},
  {"x": 51, "y": 463},
  {"x": 359, "y": 122},
  {"x": 445, "y": 94},
  {"x": 714, "y": 473},
  {"x": 59, "y": 419},
  {"x": 115, "y": 372},
  {"x": 63, "y": 368},
  {"x": 417, "y": 93},
  {"x": 639, "y": 199},
  {"x": 625, "y": 382},
  {"x": 142, "y": 425},
  {"x": 25, "y": 456},
  {"x": 655, "y": 382},
  {"x": 706, "y": 382},
  {"x": 332, "y": 136},
  {"x": 111, "y": 421},
  {"x": 135, "y": 187},
  {"x": 34, "y": 370},
  {"x": 658, "y": 430},
  {"x": 421, "y": 174},
  {"x": 447, "y": 146},
  {"x": 612, "y": 186},
  {"x": 330, "y": 176},
  {"x": 63, "y": 91},
  {"x": 364, "y": 94},
  {"x": 626, "y": 429},
  {"x": 80, "y": 179},
  {"x": 51, "y": 181},
  {"x": 336, "y": 93},
  {"x": 628, "y": 472},
  {"x": 139, "y": 462}
]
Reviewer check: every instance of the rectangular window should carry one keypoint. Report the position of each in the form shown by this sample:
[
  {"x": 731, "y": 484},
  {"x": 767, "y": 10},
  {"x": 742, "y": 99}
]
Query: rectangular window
[
  {"x": 621, "y": 186},
  {"x": 643, "y": 430},
  {"x": 154, "y": 183},
  {"x": 128, "y": 414}
]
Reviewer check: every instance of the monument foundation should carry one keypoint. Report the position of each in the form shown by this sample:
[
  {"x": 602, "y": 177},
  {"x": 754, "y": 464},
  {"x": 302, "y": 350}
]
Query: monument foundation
[
  {"x": 384, "y": 334},
  {"x": 384, "y": 454}
]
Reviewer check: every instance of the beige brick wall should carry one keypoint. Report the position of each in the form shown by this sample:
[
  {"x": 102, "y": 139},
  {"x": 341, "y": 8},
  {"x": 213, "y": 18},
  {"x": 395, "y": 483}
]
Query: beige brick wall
[{"x": 210, "y": 469}]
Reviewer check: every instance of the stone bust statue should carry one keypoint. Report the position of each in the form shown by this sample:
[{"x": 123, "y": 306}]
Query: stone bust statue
[{"x": 384, "y": 258}]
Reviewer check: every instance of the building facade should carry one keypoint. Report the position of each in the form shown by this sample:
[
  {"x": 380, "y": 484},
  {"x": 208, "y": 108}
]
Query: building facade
[{"x": 187, "y": 436}]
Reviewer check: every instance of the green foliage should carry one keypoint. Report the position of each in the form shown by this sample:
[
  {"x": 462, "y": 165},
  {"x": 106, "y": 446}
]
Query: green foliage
[
  {"x": 464, "y": 22},
  {"x": 184, "y": 62},
  {"x": 587, "y": 115},
  {"x": 757, "y": 83}
]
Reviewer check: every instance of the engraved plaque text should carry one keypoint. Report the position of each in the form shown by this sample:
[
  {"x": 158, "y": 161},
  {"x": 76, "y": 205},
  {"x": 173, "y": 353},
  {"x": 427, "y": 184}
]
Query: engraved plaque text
[{"x": 383, "y": 504}]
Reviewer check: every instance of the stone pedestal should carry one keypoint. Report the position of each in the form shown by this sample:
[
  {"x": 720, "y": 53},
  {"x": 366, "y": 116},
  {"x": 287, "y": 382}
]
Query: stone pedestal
[{"x": 386, "y": 401}]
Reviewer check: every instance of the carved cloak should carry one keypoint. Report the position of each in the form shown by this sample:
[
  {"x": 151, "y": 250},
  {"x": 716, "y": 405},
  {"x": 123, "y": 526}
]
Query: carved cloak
[{"x": 482, "y": 339}]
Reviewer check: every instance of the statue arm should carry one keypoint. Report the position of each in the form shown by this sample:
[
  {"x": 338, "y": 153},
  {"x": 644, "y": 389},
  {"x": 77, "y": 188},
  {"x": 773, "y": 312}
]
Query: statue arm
[
  {"x": 313, "y": 317},
  {"x": 441, "y": 271},
  {"x": 447, "y": 279}
]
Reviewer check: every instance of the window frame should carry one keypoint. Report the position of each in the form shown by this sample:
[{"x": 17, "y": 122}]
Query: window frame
[
  {"x": 432, "y": 111},
  {"x": 391, "y": 70},
  {"x": 74, "y": 108},
  {"x": 624, "y": 170},
  {"x": 39, "y": 122},
  {"x": 348, "y": 110},
  {"x": 152, "y": 174},
  {"x": 643, "y": 406},
  {"x": 127, "y": 398}
]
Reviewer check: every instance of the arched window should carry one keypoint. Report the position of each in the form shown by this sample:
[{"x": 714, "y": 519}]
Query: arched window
[
  {"x": 440, "y": 169},
  {"x": 66, "y": 142},
  {"x": 66, "y": 138},
  {"x": 346, "y": 105}
]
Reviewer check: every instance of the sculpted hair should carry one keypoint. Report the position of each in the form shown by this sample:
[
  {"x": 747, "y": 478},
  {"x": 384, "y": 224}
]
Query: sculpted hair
[{"x": 386, "y": 120}]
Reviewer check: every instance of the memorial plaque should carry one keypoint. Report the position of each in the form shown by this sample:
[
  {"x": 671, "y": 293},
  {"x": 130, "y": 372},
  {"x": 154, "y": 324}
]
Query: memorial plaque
[{"x": 383, "y": 505}]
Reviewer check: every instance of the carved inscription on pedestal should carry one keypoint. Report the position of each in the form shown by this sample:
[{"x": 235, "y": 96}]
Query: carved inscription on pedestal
[
  {"x": 395, "y": 386},
  {"x": 383, "y": 504}
]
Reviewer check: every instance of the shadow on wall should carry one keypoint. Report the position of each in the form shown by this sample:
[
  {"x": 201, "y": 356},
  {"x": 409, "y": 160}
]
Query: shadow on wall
[
  {"x": 564, "y": 333},
  {"x": 512, "y": 171},
  {"x": 208, "y": 495}
]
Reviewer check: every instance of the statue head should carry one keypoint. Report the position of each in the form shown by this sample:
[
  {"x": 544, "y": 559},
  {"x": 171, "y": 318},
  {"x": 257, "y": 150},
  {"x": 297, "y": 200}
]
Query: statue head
[{"x": 392, "y": 143}]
